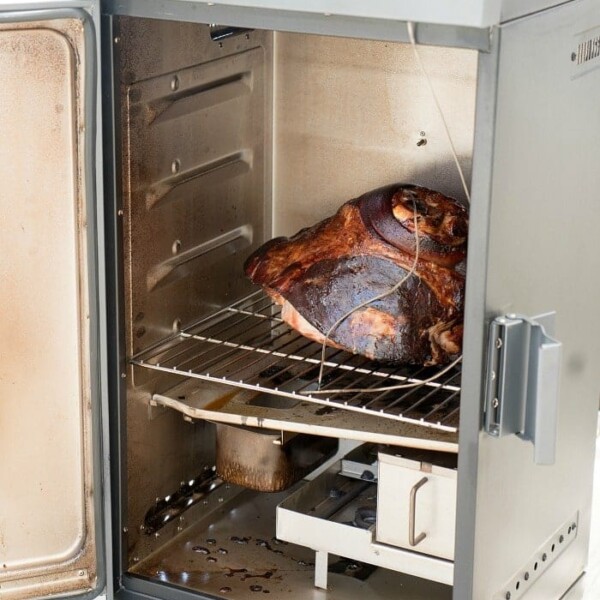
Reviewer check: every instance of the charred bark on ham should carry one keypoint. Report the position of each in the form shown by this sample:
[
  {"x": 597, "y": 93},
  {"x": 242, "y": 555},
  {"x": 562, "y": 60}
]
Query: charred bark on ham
[{"x": 325, "y": 271}]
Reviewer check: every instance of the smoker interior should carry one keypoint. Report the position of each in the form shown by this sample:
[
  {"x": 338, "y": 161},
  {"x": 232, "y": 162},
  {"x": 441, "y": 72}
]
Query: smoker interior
[{"x": 223, "y": 143}]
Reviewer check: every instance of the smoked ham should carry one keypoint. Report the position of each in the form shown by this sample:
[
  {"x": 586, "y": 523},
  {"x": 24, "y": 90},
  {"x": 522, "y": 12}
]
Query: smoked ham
[{"x": 368, "y": 246}]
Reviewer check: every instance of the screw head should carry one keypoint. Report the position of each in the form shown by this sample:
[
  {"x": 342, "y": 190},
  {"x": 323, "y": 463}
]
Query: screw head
[
  {"x": 125, "y": 529},
  {"x": 495, "y": 403},
  {"x": 544, "y": 557},
  {"x": 174, "y": 83},
  {"x": 561, "y": 539},
  {"x": 526, "y": 576},
  {"x": 498, "y": 343},
  {"x": 81, "y": 573},
  {"x": 508, "y": 595}
]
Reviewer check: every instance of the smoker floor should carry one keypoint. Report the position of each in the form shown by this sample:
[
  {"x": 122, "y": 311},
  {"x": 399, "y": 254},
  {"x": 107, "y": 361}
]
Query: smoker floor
[{"x": 234, "y": 554}]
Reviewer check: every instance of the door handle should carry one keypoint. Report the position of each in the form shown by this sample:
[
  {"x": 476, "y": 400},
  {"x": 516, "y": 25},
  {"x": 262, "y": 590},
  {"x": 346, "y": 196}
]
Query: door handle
[
  {"x": 522, "y": 393},
  {"x": 412, "y": 514}
]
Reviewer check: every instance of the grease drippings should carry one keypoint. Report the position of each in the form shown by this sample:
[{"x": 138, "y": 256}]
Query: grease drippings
[
  {"x": 239, "y": 540},
  {"x": 232, "y": 571},
  {"x": 265, "y": 575}
]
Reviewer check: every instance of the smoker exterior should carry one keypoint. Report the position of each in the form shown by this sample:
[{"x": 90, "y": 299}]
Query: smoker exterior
[
  {"x": 530, "y": 251},
  {"x": 528, "y": 185}
]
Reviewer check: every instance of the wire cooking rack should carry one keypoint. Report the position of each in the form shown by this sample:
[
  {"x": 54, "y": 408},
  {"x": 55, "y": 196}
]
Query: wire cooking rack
[{"x": 247, "y": 345}]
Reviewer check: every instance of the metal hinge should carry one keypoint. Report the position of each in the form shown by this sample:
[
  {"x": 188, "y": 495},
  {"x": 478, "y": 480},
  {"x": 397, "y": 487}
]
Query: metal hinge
[{"x": 522, "y": 382}]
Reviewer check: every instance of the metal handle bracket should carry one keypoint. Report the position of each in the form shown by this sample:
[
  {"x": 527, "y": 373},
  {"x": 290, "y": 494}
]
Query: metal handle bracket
[
  {"x": 522, "y": 388},
  {"x": 412, "y": 515}
]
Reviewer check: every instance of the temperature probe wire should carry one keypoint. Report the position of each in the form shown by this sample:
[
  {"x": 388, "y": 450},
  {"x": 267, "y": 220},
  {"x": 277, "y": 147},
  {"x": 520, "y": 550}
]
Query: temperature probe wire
[{"x": 411, "y": 35}]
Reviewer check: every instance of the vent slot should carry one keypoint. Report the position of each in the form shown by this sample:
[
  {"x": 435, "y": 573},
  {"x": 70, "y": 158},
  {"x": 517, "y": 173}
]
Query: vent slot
[
  {"x": 587, "y": 50},
  {"x": 540, "y": 561}
]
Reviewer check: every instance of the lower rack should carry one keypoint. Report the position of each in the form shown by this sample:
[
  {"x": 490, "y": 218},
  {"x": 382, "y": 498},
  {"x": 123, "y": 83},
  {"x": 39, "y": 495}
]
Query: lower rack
[{"x": 248, "y": 346}]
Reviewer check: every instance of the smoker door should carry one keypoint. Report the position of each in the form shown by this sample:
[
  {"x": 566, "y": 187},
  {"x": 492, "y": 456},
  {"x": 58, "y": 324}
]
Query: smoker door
[{"x": 50, "y": 498}]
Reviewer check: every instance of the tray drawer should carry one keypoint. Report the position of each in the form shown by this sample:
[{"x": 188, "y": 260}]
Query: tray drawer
[{"x": 416, "y": 503}]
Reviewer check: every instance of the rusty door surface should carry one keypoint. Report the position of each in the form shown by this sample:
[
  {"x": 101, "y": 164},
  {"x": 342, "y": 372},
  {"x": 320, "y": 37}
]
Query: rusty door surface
[{"x": 49, "y": 383}]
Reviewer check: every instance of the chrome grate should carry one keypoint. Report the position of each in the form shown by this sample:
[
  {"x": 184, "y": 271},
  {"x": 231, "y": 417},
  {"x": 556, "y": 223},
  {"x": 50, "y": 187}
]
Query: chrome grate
[{"x": 247, "y": 345}]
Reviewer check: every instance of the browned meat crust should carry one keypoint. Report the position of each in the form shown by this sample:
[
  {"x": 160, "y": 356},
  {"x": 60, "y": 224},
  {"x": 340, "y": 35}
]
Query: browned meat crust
[{"x": 326, "y": 270}]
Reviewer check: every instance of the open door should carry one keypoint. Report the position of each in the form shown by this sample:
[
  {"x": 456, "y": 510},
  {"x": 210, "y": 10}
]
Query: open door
[{"x": 50, "y": 489}]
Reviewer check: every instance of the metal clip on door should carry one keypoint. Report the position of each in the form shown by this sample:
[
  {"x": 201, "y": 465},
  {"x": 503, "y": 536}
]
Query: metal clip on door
[
  {"x": 522, "y": 382},
  {"x": 412, "y": 515},
  {"x": 221, "y": 32}
]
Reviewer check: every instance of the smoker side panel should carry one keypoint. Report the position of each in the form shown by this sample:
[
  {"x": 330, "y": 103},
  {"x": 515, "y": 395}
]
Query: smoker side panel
[
  {"x": 192, "y": 200},
  {"x": 544, "y": 254}
]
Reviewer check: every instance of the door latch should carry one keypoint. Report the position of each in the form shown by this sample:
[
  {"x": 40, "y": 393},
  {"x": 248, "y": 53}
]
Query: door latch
[{"x": 522, "y": 387}]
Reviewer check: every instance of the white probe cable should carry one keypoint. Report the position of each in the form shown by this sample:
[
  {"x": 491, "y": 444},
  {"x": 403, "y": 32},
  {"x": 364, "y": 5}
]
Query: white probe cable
[
  {"x": 413, "y": 43},
  {"x": 389, "y": 388},
  {"x": 371, "y": 300},
  {"x": 411, "y": 35}
]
